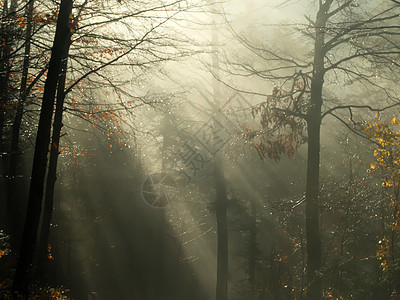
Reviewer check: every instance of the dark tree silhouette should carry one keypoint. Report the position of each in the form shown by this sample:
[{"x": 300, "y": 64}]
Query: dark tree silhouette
[
  {"x": 28, "y": 244},
  {"x": 346, "y": 36}
]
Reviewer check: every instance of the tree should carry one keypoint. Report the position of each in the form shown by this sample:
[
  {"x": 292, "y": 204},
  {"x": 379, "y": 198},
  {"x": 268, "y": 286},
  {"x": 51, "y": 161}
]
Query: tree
[
  {"x": 8, "y": 29},
  {"x": 54, "y": 152},
  {"x": 346, "y": 35},
  {"x": 13, "y": 205},
  {"x": 24, "y": 75},
  {"x": 154, "y": 46},
  {"x": 25, "y": 260},
  {"x": 106, "y": 53},
  {"x": 387, "y": 166},
  {"x": 221, "y": 199}
]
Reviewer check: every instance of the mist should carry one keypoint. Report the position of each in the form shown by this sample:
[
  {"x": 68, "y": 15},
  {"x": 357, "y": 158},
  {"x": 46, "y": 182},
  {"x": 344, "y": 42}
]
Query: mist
[{"x": 199, "y": 150}]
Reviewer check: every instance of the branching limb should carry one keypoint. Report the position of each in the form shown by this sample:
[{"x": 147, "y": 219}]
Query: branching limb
[
  {"x": 351, "y": 107},
  {"x": 351, "y": 128}
]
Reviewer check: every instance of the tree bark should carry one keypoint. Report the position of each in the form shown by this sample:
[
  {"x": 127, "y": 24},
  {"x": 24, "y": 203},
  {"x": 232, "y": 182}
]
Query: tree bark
[
  {"x": 221, "y": 199},
  {"x": 52, "y": 172},
  {"x": 312, "y": 213},
  {"x": 314, "y": 255},
  {"x": 253, "y": 250},
  {"x": 222, "y": 231},
  {"x": 13, "y": 205},
  {"x": 26, "y": 254},
  {"x": 3, "y": 170},
  {"x": 6, "y": 28}
]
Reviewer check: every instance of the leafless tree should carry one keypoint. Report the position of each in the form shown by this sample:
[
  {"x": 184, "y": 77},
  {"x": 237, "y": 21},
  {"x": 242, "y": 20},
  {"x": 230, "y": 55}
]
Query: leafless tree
[{"x": 354, "y": 43}]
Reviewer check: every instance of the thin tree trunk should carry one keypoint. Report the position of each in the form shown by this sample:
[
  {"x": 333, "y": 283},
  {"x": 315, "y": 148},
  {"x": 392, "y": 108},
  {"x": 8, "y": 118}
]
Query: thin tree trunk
[
  {"x": 7, "y": 27},
  {"x": 222, "y": 231},
  {"x": 13, "y": 205},
  {"x": 313, "y": 234},
  {"x": 3, "y": 171},
  {"x": 26, "y": 255},
  {"x": 160, "y": 263},
  {"x": 52, "y": 172},
  {"x": 303, "y": 265},
  {"x": 253, "y": 250},
  {"x": 221, "y": 199},
  {"x": 221, "y": 196},
  {"x": 393, "y": 241},
  {"x": 5, "y": 47},
  {"x": 53, "y": 161},
  {"x": 347, "y": 212}
]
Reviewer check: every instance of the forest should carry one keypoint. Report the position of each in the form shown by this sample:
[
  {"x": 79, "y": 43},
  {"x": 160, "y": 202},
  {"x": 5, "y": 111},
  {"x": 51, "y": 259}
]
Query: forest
[{"x": 199, "y": 149}]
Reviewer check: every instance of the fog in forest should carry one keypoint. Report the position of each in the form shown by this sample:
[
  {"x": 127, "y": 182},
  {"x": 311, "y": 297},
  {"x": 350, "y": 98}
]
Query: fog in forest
[{"x": 199, "y": 150}]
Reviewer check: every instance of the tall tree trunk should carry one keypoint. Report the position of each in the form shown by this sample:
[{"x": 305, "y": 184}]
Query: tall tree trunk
[
  {"x": 52, "y": 172},
  {"x": 26, "y": 254},
  {"x": 48, "y": 204},
  {"x": 222, "y": 231},
  {"x": 13, "y": 205},
  {"x": 393, "y": 241},
  {"x": 3, "y": 170},
  {"x": 312, "y": 213},
  {"x": 253, "y": 250},
  {"x": 314, "y": 256},
  {"x": 221, "y": 199},
  {"x": 6, "y": 28}
]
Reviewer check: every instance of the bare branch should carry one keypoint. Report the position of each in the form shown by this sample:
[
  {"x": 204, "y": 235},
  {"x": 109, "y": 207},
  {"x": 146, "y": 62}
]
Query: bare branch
[
  {"x": 350, "y": 107},
  {"x": 352, "y": 129}
]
